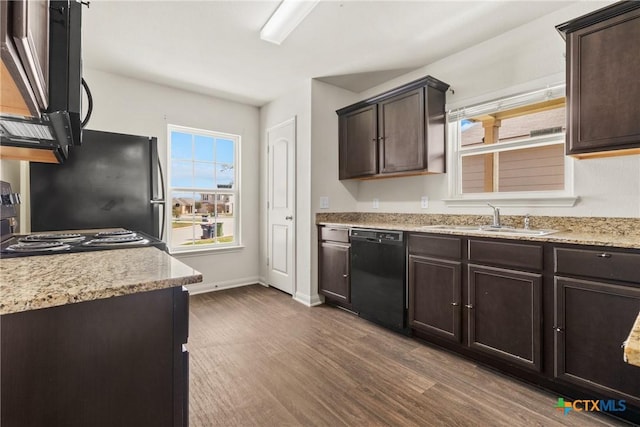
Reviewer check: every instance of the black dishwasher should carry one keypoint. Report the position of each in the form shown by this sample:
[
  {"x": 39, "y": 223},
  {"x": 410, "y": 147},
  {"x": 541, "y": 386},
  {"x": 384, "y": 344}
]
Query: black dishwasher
[{"x": 378, "y": 277}]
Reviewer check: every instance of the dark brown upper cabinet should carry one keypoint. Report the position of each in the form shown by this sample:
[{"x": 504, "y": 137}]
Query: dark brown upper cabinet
[
  {"x": 397, "y": 133},
  {"x": 603, "y": 87}
]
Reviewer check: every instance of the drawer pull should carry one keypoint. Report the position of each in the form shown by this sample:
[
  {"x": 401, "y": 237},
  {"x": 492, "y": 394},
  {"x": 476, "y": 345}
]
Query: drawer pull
[
  {"x": 469, "y": 306},
  {"x": 604, "y": 255},
  {"x": 455, "y": 304},
  {"x": 558, "y": 329},
  {"x": 345, "y": 275}
]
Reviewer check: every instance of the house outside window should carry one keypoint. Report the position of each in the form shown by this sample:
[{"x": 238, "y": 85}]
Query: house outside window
[
  {"x": 511, "y": 148},
  {"x": 203, "y": 189}
]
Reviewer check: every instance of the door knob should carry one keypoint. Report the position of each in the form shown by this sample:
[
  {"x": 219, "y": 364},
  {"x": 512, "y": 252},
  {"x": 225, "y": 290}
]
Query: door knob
[{"x": 289, "y": 217}]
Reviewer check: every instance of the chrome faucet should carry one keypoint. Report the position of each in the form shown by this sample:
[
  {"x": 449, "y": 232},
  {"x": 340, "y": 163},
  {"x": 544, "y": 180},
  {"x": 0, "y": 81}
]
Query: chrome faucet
[{"x": 496, "y": 216}]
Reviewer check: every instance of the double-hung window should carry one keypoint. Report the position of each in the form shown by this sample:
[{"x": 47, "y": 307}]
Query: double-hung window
[
  {"x": 511, "y": 149},
  {"x": 203, "y": 189}
]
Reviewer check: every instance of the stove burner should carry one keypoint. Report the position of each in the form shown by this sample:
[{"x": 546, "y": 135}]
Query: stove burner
[
  {"x": 115, "y": 241},
  {"x": 115, "y": 233},
  {"x": 66, "y": 238},
  {"x": 38, "y": 247}
]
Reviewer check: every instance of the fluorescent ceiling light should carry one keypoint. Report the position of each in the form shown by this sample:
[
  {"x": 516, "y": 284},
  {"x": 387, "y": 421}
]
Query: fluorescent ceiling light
[{"x": 288, "y": 15}]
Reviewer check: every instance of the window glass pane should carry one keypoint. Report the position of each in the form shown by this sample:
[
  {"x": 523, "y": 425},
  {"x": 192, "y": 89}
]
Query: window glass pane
[
  {"x": 181, "y": 146},
  {"x": 525, "y": 169},
  {"x": 538, "y": 123},
  {"x": 225, "y": 175},
  {"x": 181, "y": 173},
  {"x": 182, "y": 218},
  {"x": 473, "y": 178},
  {"x": 531, "y": 169},
  {"x": 215, "y": 218},
  {"x": 203, "y": 148},
  {"x": 471, "y": 132},
  {"x": 204, "y": 175},
  {"x": 225, "y": 151}
]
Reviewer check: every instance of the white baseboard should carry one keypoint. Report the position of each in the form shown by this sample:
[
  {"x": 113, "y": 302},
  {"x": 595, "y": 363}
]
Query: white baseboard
[
  {"x": 308, "y": 300},
  {"x": 201, "y": 288}
]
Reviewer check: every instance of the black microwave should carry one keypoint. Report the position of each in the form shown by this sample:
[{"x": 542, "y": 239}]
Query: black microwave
[{"x": 60, "y": 125}]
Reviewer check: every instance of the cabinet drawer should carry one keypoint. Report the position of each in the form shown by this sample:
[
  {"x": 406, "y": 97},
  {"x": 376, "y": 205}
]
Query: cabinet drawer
[
  {"x": 441, "y": 247},
  {"x": 506, "y": 254},
  {"x": 334, "y": 234},
  {"x": 602, "y": 264}
]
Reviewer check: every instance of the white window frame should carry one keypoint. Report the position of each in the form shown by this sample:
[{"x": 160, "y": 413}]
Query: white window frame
[
  {"x": 213, "y": 247},
  {"x": 455, "y": 153}
]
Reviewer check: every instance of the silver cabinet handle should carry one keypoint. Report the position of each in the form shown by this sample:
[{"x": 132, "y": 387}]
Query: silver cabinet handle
[
  {"x": 289, "y": 217},
  {"x": 455, "y": 304},
  {"x": 345, "y": 275},
  {"x": 604, "y": 255},
  {"x": 469, "y": 306}
]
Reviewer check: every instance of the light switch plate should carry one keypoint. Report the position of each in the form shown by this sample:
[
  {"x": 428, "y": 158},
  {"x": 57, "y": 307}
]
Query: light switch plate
[
  {"x": 324, "y": 202},
  {"x": 376, "y": 203},
  {"x": 424, "y": 202}
]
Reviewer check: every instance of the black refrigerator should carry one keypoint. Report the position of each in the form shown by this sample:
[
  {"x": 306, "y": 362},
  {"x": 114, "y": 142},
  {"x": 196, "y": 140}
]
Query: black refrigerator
[{"x": 111, "y": 180}]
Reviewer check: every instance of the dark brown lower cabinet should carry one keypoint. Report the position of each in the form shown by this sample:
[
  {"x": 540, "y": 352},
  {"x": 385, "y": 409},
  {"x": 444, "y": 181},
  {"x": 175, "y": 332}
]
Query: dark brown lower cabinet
[
  {"x": 334, "y": 271},
  {"x": 553, "y": 315},
  {"x": 505, "y": 314},
  {"x": 435, "y": 294},
  {"x": 334, "y": 252},
  {"x": 110, "y": 362},
  {"x": 592, "y": 319}
]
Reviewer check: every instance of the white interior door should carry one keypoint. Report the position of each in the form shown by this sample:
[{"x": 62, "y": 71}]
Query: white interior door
[{"x": 281, "y": 144}]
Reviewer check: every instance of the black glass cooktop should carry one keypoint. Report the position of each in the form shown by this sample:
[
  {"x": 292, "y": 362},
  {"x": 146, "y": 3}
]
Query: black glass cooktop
[{"x": 57, "y": 243}]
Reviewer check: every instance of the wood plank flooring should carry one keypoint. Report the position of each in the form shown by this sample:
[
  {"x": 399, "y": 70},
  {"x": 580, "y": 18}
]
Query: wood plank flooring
[{"x": 258, "y": 358}]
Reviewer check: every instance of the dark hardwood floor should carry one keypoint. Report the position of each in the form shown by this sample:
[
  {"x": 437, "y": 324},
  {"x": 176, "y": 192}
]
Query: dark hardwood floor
[{"x": 258, "y": 358}]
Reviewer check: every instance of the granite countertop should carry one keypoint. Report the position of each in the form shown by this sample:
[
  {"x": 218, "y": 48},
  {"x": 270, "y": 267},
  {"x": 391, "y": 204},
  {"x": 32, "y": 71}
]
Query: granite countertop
[
  {"x": 30, "y": 283},
  {"x": 612, "y": 232},
  {"x": 632, "y": 346}
]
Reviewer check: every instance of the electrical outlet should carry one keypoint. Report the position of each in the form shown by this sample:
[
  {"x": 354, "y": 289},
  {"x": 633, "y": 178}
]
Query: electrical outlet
[
  {"x": 376, "y": 203},
  {"x": 424, "y": 202},
  {"x": 324, "y": 202}
]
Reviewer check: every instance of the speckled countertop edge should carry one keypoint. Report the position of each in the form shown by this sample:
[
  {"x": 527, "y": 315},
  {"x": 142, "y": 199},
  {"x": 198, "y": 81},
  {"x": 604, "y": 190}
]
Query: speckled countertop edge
[
  {"x": 36, "y": 282},
  {"x": 632, "y": 345},
  {"x": 619, "y": 233}
]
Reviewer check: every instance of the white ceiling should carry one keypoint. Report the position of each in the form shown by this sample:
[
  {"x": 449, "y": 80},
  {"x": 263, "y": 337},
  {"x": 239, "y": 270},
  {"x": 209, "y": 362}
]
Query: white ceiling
[{"x": 213, "y": 47}]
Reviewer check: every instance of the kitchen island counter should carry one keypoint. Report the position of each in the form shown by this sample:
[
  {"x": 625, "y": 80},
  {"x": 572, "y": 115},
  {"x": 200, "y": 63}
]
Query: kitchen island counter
[{"x": 36, "y": 282}]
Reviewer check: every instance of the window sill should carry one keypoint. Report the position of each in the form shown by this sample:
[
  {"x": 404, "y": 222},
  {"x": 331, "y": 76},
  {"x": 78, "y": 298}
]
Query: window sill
[
  {"x": 540, "y": 200},
  {"x": 205, "y": 251}
]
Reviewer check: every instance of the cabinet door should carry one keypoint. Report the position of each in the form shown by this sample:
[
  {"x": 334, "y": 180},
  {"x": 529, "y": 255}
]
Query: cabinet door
[
  {"x": 592, "y": 319},
  {"x": 504, "y": 308},
  {"x": 435, "y": 296},
  {"x": 401, "y": 130},
  {"x": 603, "y": 86},
  {"x": 101, "y": 363},
  {"x": 334, "y": 271},
  {"x": 358, "y": 143}
]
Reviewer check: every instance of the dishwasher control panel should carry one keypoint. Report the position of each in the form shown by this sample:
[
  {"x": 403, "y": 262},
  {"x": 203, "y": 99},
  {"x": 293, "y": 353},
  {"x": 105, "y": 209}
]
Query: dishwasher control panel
[{"x": 376, "y": 235}]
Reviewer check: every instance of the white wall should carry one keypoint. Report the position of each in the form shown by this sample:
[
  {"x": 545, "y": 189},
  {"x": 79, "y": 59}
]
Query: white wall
[
  {"x": 296, "y": 103},
  {"x": 528, "y": 57},
  {"x": 325, "y": 100},
  {"x": 136, "y": 107}
]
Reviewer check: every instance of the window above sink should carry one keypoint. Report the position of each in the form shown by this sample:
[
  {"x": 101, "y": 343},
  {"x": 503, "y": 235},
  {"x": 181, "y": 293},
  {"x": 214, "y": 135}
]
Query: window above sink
[{"x": 511, "y": 149}]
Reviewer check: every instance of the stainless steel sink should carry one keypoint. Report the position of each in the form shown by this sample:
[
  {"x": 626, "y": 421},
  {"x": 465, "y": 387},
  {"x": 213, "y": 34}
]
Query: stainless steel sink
[
  {"x": 453, "y": 227},
  {"x": 492, "y": 230},
  {"x": 520, "y": 231}
]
